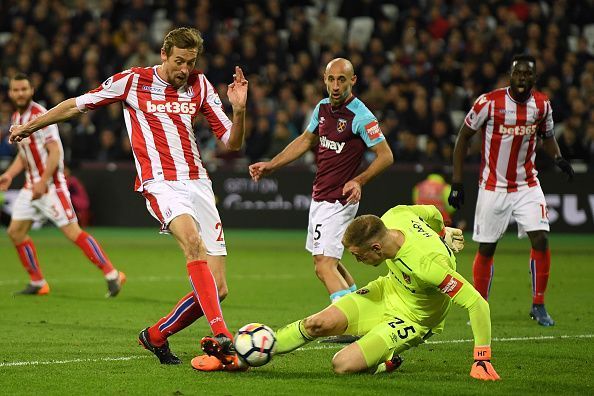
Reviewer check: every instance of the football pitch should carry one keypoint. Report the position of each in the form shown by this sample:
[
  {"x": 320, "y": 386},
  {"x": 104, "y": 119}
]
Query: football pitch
[{"x": 74, "y": 341}]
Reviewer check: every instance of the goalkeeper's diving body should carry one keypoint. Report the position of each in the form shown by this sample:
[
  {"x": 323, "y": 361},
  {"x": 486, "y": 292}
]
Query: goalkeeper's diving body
[{"x": 407, "y": 306}]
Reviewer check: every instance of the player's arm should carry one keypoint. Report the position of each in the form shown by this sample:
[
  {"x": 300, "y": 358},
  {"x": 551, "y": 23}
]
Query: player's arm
[
  {"x": 473, "y": 121},
  {"x": 51, "y": 164},
  {"x": 436, "y": 272},
  {"x": 383, "y": 159},
  {"x": 552, "y": 148},
  {"x": 237, "y": 94},
  {"x": 294, "y": 150},
  {"x": 453, "y": 237},
  {"x": 460, "y": 150},
  {"x": 16, "y": 167},
  {"x": 61, "y": 112}
]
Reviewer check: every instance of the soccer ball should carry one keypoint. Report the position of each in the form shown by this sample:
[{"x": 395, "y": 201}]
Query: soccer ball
[{"x": 255, "y": 344}]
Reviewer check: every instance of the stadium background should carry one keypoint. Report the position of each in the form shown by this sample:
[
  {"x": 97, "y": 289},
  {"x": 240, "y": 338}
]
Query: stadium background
[{"x": 420, "y": 65}]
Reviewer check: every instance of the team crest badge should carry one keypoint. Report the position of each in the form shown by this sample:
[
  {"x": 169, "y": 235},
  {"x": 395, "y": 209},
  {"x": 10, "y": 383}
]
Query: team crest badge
[
  {"x": 341, "y": 126},
  {"x": 362, "y": 291},
  {"x": 406, "y": 277},
  {"x": 190, "y": 92}
]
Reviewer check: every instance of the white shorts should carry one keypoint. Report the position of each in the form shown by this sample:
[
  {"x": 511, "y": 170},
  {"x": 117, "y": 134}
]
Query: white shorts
[
  {"x": 165, "y": 200},
  {"x": 327, "y": 223},
  {"x": 494, "y": 210},
  {"x": 54, "y": 206}
]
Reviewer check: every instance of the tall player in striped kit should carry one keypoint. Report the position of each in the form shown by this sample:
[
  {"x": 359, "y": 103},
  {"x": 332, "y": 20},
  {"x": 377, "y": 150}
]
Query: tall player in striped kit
[
  {"x": 510, "y": 119},
  {"x": 45, "y": 195},
  {"x": 160, "y": 105}
]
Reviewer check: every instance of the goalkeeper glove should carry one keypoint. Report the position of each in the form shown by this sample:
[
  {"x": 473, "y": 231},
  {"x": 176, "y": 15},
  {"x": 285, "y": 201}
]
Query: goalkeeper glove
[
  {"x": 456, "y": 197},
  {"x": 482, "y": 368},
  {"x": 453, "y": 238}
]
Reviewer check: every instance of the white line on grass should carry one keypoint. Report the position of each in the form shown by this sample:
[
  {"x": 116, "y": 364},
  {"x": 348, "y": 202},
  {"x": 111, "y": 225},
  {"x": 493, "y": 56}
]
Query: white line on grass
[
  {"x": 38, "y": 363},
  {"x": 511, "y": 339},
  {"x": 147, "y": 279},
  {"x": 333, "y": 346}
]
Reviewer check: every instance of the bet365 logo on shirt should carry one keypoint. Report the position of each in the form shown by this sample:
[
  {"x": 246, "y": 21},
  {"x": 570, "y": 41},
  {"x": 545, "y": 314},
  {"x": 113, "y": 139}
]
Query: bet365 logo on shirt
[{"x": 161, "y": 106}]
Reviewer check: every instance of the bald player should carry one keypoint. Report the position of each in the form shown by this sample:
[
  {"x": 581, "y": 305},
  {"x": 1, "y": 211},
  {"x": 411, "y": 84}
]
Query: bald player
[{"x": 343, "y": 128}]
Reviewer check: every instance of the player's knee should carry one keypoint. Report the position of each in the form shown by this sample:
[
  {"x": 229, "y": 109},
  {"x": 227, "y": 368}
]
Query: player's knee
[
  {"x": 539, "y": 240},
  {"x": 193, "y": 247},
  {"x": 324, "y": 266},
  {"x": 317, "y": 325},
  {"x": 342, "y": 364},
  {"x": 223, "y": 292},
  {"x": 16, "y": 235},
  {"x": 487, "y": 249}
]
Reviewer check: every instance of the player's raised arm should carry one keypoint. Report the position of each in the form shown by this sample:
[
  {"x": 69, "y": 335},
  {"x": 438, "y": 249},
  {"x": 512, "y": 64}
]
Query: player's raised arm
[
  {"x": 61, "y": 112},
  {"x": 294, "y": 150},
  {"x": 237, "y": 94}
]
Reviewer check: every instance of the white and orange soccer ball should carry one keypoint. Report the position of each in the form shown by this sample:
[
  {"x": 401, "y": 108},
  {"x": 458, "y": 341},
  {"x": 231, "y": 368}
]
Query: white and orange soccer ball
[{"x": 255, "y": 344}]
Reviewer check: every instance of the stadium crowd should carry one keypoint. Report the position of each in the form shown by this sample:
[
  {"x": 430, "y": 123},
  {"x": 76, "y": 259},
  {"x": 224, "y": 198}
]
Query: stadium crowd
[{"x": 420, "y": 65}]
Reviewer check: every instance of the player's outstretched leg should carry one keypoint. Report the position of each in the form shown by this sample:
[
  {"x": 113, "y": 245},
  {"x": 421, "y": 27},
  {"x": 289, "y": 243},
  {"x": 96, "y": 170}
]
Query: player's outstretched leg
[
  {"x": 37, "y": 285},
  {"x": 162, "y": 352},
  {"x": 94, "y": 252},
  {"x": 540, "y": 264}
]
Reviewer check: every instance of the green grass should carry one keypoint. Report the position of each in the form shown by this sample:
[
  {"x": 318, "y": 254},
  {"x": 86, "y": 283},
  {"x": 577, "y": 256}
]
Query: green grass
[{"x": 76, "y": 335}]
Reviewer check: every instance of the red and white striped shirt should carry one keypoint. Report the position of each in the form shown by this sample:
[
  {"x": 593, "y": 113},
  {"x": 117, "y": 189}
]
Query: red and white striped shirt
[
  {"x": 159, "y": 120},
  {"x": 509, "y": 137},
  {"x": 33, "y": 151}
]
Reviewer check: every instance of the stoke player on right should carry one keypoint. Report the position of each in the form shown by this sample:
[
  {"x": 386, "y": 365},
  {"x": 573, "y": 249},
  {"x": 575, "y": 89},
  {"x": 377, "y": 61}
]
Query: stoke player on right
[{"x": 510, "y": 119}]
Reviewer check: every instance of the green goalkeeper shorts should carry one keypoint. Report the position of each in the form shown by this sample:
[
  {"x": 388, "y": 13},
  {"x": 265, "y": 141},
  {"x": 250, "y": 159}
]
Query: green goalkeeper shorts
[{"x": 385, "y": 331}]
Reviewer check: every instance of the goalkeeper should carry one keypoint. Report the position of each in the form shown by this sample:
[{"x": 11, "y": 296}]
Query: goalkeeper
[{"x": 408, "y": 305}]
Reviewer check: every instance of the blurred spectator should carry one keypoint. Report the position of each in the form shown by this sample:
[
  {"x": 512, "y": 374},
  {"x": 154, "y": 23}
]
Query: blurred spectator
[
  {"x": 109, "y": 149},
  {"x": 421, "y": 67},
  {"x": 79, "y": 197},
  {"x": 434, "y": 190}
]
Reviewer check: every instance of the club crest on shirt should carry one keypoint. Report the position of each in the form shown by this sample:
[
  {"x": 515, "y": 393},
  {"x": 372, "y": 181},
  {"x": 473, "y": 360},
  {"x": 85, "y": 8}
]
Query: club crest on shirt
[
  {"x": 362, "y": 291},
  {"x": 190, "y": 92},
  {"x": 341, "y": 125}
]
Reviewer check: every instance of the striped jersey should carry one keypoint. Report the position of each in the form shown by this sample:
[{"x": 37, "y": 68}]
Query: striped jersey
[
  {"x": 159, "y": 120},
  {"x": 509, "y": 137},
  {"x": 33, "y": 151}
]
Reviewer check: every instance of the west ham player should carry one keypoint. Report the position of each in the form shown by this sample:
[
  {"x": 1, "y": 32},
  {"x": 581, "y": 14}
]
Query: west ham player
[
  {"x": 407, "y": 306},
  {"x": 510, "y": 120},
  {"x": 344, "y": 129},
  {"x": 45, "y": 194},
  {"x": 160, "y": 105}
]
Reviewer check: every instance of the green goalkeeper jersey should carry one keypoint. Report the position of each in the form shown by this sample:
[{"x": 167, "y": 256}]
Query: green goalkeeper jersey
[{"x": 423, "y": 274}]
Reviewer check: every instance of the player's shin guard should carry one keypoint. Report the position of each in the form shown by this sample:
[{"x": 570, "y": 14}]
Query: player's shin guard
[
  {"x": 93, "y": 251},
  {"x": 482, "y": 274},
  {"x": 540, "y": 264},
  {"x": 185, "y": 312},
  {"x": 205, "y": 291},
  {"x": 28, "y": 256},
  {"x": 291, "y": 337}
]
